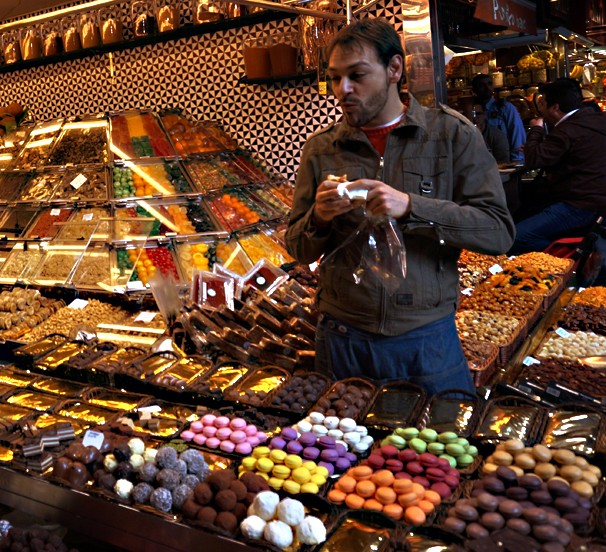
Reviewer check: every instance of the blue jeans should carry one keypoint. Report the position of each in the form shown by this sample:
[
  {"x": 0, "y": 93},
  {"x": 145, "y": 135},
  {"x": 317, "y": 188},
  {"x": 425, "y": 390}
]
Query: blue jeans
[
  {"x": 537, "y": 232},
  {"x": 430, "y": 356}
]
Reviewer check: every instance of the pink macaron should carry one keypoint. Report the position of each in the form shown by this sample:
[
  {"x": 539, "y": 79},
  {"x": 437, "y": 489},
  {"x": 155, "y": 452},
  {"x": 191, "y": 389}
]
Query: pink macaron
[
  {"x": 251, "y": 429},
  {"x": 199, "y": 439},
  {"x": 243, "y": 448},
  {"x": 237, "y": 436},
  {"x": 196, "y": 426},
  {"x": 253, "y": 441},
  {"x": 223, "y": 433},
  {"x": 213, "y": 442},
  {"x": 237, "y": 423},
  {"x": 208, "y": 419},
  {"x": 210, "y": 431},
  {"x": 188, "y": 435},
  {"x": 222, "y": 421},
  {"x": 262, "y": 436},
  {"x": 227, "y": 446}
]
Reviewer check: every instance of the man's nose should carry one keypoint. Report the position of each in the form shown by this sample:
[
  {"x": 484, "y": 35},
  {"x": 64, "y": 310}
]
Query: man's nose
[{"x": 346, "y": 86}]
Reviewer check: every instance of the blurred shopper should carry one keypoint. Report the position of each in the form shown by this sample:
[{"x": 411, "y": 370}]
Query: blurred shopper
[
  {"x": 495, "y": 139},
  {"x": 569, "y": 144},
  {"x": 502, "y": 115}
]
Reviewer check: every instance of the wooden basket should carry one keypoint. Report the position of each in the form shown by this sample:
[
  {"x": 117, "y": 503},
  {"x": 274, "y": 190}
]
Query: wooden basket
[{"x": 482, "y": 359}]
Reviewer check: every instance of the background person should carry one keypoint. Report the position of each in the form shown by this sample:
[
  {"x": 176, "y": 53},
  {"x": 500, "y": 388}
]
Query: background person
[
  {"x": 429, "y": 170},
  {"x": 573, "y": 192}
]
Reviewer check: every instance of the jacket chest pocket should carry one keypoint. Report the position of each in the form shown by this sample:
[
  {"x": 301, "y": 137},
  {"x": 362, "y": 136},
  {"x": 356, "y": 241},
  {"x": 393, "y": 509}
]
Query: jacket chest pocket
[{"x": 425, "y": 175}]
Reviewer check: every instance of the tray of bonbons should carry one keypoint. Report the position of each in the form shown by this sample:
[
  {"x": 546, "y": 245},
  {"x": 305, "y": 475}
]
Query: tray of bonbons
[
  {"x": 150, "y": 178},
  {"x": 74, "y": 367},
  {"x": 136, "y": 135},
  {"x": 15, "y": 220},
  {"x": 544, "y": 509},
  {"x": 235, "y": 209},
  {"x": 101, "y": 371},
  {"x": 584, "y": 318},
  {"x": 453, "y": 410},
  {"x": 397, "y": 404},
  {"x": 81, "y": 143},
  {"x": 159, "y": 419},
  {"x": 511, "y": 417},
  {"x": 347, "y": 398},
  {"x": 476, "y": 267},
  {"x": 481, "y": 358},
  {"x": 506, "y": 332},
  {"x": 136, "y": 374},
  {"x": 298, "y": 393}
]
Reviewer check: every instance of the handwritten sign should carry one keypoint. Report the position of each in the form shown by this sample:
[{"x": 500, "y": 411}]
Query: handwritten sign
[{"x": 515, "y": 15}]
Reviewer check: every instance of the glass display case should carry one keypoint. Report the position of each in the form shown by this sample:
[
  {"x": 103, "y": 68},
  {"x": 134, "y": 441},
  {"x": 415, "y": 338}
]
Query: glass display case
[
  {"x": 236, "y": 209},
  {"x": 47, "y": 222},
  {"x": 81, "y": 143},
  {"x": 11, "y": 184},
  {"x": 264, "y": 244},
  {"x": 186, "y": 136},
  {"x": 21, "y": 262},
  {"x": 38, "y": 146},
  {"x": 15, "y": 220},
  {"x": 52, "y": 40},
  {"x": 70, "y": 32},
  {"x": 150, "y": 178},
  {"x": 135, "y": 135},
  {"x": 40, "y": 187},
  {"x": 83, "y": 183}
]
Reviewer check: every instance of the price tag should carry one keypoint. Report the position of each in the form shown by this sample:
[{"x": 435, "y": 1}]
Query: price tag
[
  {"x": 153, "y": 408},
  {"x": 552, "y": 391},
  {"x": 88, "y": 217},
  {"x": 77, "y": 304},
  {"x": 93, "y": 438},
  {"x": 55, "y": 212},
  {"x": 529, "y": 361},
  {"x": 135, "y": 285},
  {"x": 495, "y": 269},
  {"x": 562, "y": 332},
  {"x": 145, "y": 316},
  {"x": 467, "y": 291},
  {"x": 78, "y": 181}
]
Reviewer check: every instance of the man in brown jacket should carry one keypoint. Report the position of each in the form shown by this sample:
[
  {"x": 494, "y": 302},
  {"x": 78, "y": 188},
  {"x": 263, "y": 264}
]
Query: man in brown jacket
[{"x": 571, "y": 150}]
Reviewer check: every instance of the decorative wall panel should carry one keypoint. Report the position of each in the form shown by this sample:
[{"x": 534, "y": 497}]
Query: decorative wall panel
[{"x": 198, "y": 74}]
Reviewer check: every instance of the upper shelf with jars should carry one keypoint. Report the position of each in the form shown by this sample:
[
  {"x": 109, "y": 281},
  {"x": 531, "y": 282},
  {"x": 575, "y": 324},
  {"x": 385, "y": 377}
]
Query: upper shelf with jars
[{"x": 79, "y": 35}]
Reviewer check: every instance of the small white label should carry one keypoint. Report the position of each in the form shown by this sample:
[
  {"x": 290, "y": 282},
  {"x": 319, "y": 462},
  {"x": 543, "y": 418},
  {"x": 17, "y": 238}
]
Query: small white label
[
  {"x": 153, "y": 408},
  {"x": 529, "y": 361},
  {"x": 562, "y": 332},
  {"x": 135, "y": 285},
  {"x": 93, "y": 438},
  {"x": 145, "y": 316},
  {"x": 55, "y": 212},
  {"x": 260, "y": 281},
  {"x": 78, "y": 181},
  {"x": 77, "y": 304},
  {"x": 495, "y": 269},
  {"x": 467, "y": 291},
  {"x": 211, "y": 292},
  {"x": 552, "y": 391},
  {"x": 88, "y": 217}
]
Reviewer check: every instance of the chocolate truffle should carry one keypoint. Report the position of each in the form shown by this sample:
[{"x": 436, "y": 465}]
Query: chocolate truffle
[
  {"x": 122, "y": 452},
  {"x": 166, "y": 457},
  {"x": 142, "y": 492},
  {"x": 161, "y": 499},
  {"x": 191, "y": 480},
  {"x": 203, "y": 493},
  {"x": 148, "y": 472},
  {"x": 190, "y": 508},
  {"x": 220, "y": 480},
  {"x": 207, "y": 515},
  {"x": 180, "y": 495},
  {"x": 169, "y": 479},
  {"x": 226, "y": 521},
  {"x": 225, "y": 500}
]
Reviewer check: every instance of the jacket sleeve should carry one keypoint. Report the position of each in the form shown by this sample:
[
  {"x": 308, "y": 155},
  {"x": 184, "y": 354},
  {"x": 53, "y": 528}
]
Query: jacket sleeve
[
  {"x": 477, "y": 217},
  {"x": 545, "y": 150},
  {"x": 304, "y": 241}
]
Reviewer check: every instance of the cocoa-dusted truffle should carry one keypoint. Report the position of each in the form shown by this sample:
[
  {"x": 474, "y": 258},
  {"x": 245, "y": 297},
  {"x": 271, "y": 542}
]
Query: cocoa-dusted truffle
[
  {"x": 181, "y": 494},
  {"x": 225, "y": 500},
  {"x": 239, "y": 489},
  {"x": 161, "y": 499},
  {"x": 166, "y": 457},
  {"x": 190, "y": 508},
  {"x": 169, "y": 479},
  {"x": 254, "y": 483},
  {"x": 226, "y": 521},
  {"x": 191, "y": 480},
  {"x": 203, "y": 493},
  {"x": 196, "y": 463},
  {"x": 219, "y": 480},
  {"x": 207, "y": 515},
  {"x": 148, "y": 472},
  {"x": 240, "y": 511},
  {"x": 142, "y": 492}
]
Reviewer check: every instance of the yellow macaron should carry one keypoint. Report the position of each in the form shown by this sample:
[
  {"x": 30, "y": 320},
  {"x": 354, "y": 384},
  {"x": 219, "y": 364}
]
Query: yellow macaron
[{"x": 265, "y": 465}]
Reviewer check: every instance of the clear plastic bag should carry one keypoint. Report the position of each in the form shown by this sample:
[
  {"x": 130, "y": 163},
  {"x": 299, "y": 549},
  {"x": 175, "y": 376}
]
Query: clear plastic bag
[{"x": 376, "y": 252}]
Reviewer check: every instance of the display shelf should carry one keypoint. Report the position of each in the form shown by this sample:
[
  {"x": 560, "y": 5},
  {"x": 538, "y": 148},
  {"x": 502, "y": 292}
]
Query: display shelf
[
  {"x": 182, "y": 32},
  {"x": 105, "y": 521}
]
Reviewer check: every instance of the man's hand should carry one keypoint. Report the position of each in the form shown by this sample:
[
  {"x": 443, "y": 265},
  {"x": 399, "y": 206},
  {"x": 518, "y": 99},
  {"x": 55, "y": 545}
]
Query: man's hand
[
  {"x": 536, "y": 122},
  {"x": 383, "y": 199},
  {"x": 329, "y": 203}
]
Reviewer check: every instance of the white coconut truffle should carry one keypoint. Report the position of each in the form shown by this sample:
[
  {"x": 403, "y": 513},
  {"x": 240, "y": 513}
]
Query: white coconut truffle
[
  {"x": 304, "y": 426},
  {"x": 352, "y": 437},
  {"x": 136, "y": 446},
  {"x": 335, "y": 434},
  {"x": 110, "y": 463},
  {"x": 150, "y": 455},
  {"x": 316, "y": 417},
  {"x": 331, "y": 422},
  {"x": 319, "y": 430},
  {"x": 347, "y": 424},
  {"x": 311, "y": 531},
  {"x": 123, "y": 488},
  {"x": 265, "y": 504},
  {"x": 278, "y": 533},
  {"x": 291, "y": 511},
  {"x": 136, "y": 461},
  {"x": 252, "y": 527}
]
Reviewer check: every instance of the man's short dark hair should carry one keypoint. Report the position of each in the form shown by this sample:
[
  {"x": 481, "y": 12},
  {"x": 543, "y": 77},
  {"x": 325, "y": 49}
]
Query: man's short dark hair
[
  {"x": 563, "y": 91},
  {"x": 479, "y": 77},
  {"x": 377, "y": 33}
]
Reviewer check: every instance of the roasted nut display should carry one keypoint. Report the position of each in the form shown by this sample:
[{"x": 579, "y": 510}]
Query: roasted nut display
[
  {"x": 595, "y": 295},
  {"x": 546, "y": 262},
  {"x": 585, "y": 318},
  {"x": 575, "y": 345},
  {"x": 487, "y": 326},
  {"x": 508, "y": 302}
]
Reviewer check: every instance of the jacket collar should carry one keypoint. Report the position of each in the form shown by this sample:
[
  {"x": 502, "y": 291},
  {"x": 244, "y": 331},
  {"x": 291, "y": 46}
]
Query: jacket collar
[{"x": 414, "y": 117}]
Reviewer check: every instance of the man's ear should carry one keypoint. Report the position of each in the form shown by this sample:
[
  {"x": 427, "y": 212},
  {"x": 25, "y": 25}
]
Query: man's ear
[{"x": 395, "y": 68}]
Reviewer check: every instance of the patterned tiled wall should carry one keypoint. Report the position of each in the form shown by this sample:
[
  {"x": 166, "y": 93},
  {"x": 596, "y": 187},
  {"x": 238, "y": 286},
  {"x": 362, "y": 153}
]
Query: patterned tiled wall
[{"x": 199, "y": 74}]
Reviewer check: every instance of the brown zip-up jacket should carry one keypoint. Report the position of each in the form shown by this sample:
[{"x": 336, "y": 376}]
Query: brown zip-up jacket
[{"x": 457, "y": 201}]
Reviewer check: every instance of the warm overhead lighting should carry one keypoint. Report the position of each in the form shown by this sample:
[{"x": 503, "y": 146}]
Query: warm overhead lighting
[
  {"x": 85, "y": 6},
  {"x": 459, "y": 54}
]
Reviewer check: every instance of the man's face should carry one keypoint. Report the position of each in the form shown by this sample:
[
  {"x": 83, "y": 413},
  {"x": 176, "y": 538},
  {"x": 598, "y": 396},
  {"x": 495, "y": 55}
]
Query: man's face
[
  {"x": 360, "y": 83},
  {"x": 484, "y": 89}
]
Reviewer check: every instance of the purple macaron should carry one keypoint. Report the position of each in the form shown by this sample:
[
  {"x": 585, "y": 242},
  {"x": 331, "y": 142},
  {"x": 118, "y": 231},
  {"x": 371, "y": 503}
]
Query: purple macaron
[
  {"x": 327, "y": 442},
  {"x": 289, "y": 434},
  {"x": 329, "y": 455},
  {"x": 330, "y": 467},
  {"x": 310, "y": 453},
  {"x": 307, "y": 439},
  {"x": 277, "y": 443},
  {"x": 294, "y": 447}
]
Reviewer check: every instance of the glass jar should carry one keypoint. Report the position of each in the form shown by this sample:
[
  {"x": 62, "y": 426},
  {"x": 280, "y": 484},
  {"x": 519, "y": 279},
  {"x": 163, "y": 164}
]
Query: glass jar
[
  {"x": 110, "y": 22},
  {"x": 143, "y": 18},
  {"x": 207, "y": 10},
  {"x": 11, "y": 48},
  {"x": 71, "y": 34},
  {"x": 52, "y": 41},
  {"x": 168, "y": 15},
  {"x": 511, "y": 78},
  {"x": 89, "y": 30},
  {"x": 497, "y": 78},
  {"x": 31, "y": 43}
]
